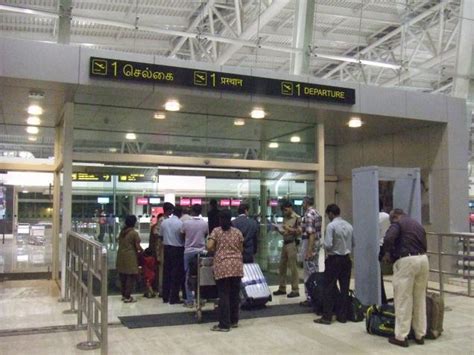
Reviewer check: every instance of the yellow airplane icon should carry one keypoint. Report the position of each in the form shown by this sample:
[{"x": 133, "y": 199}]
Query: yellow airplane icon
[{"x": 101, "y": 66}]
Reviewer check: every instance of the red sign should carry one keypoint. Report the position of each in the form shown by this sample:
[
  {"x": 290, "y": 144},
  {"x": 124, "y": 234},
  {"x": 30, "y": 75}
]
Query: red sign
[
  {"x": 196, "y": 201},
  {"x": 235, "y": 203},
  {"x": 155, "y": 211},
  {"x": 142, "y": 201},
  {"x": 225, "y": 203},
  {"x": 274, "y": 203},
  {"x": 185, "y": 202}
]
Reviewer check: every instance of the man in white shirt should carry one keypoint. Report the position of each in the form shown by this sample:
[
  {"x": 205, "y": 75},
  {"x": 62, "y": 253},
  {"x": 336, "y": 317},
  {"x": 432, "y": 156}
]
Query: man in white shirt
[
  {"x": 194, "y": 231},
  {"x": 384, "y": 224}
]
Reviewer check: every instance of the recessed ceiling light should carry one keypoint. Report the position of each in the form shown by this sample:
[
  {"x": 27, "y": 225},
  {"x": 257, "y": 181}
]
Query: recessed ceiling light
[
  {"x": 355, "y": 122},
  {"x": 236, "y": 155},
  {"x": 32, "y": 130},
  {"x": 33, "y": 121},
  {"x": 159, "y": 116},
  {"x": 239, "y": 122},
  {"x": 131, "y": 136},
  {"x": 32, "y": 138},
  {"x": 257, "y": 113},
  {"x": 24, "y": 191},
  {"x": 113, "y": 150},
  {"x": 35, "y": 110},
  {"x": 172, "y": 105},
  {"x": 295, "y": 139},
  {"x": 273, "y": 145},
  {"x": 169, "y": 152}
]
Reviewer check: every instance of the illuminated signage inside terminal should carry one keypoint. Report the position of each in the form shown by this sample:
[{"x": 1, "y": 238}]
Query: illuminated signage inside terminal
[
  {"x": 90, "y": 177},
  {"x": 113, "y": 69}
]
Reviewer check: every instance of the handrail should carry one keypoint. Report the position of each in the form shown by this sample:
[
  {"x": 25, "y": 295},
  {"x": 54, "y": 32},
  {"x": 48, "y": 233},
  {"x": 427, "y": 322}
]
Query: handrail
[
  {"x": 467, "y": 273},
  {"x": 86, "y": 265}
]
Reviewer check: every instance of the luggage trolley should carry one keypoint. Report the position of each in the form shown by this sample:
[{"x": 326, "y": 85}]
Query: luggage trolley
[{"x": 206, "y": 288}]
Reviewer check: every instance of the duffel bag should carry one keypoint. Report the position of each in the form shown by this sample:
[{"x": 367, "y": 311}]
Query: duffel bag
[
  {"x": 355, "y": 310},
  {"x": 380, "y": 320}
]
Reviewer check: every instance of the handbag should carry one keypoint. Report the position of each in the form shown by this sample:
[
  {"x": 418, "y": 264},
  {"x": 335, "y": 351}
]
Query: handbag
[
  {"x": 355, "y": 310},
  {"x": 380, "y": 320}
]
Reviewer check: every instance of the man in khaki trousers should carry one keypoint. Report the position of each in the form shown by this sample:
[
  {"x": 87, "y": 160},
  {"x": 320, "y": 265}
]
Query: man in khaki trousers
[
  {"x": 405, "y": 242},
  {"x": 291, "y": 230}
]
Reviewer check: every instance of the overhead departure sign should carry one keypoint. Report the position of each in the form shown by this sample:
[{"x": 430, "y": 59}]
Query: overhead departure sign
[
  {"x": 90, "y": 177},
  {"x": 136, "y": 178},
  {"x": 203, "y": 79}
]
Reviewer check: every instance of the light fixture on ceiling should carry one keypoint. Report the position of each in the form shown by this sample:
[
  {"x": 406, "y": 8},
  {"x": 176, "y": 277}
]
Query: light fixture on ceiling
[
  {"x": 355, "y": 122},
  {"x": 295, "y": 139},
  {"x": 159, "y": 115},
  {"x": 273, "y": 145},
  {"x": 257, "y": 113},
  {"x": 131, "y": 136},
  {"x": 239, "y": 122},
  {"x": 113, "y": 150},
  {"x": 33, "y": 121},
  {"x": 169, "y": 152},
  {"x": 236, "y": 155},
  {"x": 32, "y": 138},
  {"x": 24, "y": 191},
  {"x": 35, "y": 110},
  {"x": 32, "y": 130},
  {"x": 359, "y": 61},
  {"x": 172, "y": 105}
]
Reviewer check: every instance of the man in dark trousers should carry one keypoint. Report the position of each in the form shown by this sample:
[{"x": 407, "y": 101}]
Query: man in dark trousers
[
  {"x": 338, "y": 244},
  {"x": 405, "y": 245},
  {"x": 213, "y": 215},
  {"x": 249, "y": 229},
  {"x": 173, "y": 255}
]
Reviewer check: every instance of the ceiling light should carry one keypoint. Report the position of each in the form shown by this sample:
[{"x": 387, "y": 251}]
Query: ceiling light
[
  {"x": 355, "y": 122},
  {"x": 273, "y": 145},
  {"x": 32, "y": 138},
  {"x": 131, "y": 136},
  {"x": 24, "y": 192},
  {"x": 239, "y": 122},
  {"x": 35, "y": 110},
  {"x": 159, "y": 116},
  {"x": 32, "y": 130},
  {"x": 33, "y": 121},
  {"x": 172, "y": 105},
  {"x": 113, "y": 150},
  {"x": 236, "y": 155},
  {"x": 359, "y": 61},
  {"x": 295, "y": 139},
  {"x": 257, "y": 113},
  {"x": 169, "y": 152}
]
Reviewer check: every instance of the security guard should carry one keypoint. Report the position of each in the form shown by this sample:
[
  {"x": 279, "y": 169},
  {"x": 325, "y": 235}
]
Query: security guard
[{"x": 290, "y": 232}]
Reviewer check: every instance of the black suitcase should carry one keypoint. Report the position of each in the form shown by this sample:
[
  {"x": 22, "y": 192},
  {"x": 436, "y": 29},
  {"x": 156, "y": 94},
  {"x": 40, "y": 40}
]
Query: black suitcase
[{"x": 314, "y": 286}]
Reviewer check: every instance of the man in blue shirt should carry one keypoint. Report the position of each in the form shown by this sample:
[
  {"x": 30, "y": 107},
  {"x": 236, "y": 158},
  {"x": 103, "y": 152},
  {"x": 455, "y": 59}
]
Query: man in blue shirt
[
  {"x": 173, "y": 255},
  {"x": 338, "y": 244}
]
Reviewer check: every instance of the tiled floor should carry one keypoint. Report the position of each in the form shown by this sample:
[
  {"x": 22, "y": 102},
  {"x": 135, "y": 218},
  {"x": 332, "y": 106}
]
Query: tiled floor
[{"x": 34, "y": 304}]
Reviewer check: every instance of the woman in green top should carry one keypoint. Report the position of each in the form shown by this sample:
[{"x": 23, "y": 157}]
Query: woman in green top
[{"x": 127, "y": 257}]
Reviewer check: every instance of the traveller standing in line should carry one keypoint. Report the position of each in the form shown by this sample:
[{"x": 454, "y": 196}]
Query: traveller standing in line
[
  {"x": 213, "y": 215},
  {"x": 227, "y": 242},
  {"x": 110, "y": 227},
  {"x": 405, "y": 245},
  {"x": 127, "y": 258},
  {"x": 194, "y": 231},
  {"x": 249, "y": 229},
  {"x": 310, "y": 242},
  {"x": 338, "y": 243},
  {"x": 186, "y": 214},
  {"x": 384, "y": 224},
  {"x": 155, "y": 243},
  {"x": 102, "y": 226},
  {"x": 290, "y": 232},
  {"x": 173, "y": 263}
]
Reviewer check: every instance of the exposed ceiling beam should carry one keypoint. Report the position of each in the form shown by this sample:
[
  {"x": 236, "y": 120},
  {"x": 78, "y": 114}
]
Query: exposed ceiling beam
[
  {"x": 252, "y": 29},
  {"x": 199, "y": 17},
  {"x": 391, "y": 34}
]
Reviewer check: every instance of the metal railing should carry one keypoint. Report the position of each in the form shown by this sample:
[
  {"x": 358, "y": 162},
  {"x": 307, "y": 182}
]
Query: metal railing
[
  {"x": 454, "y": 257},
  {"x": 86, "y": 271}
]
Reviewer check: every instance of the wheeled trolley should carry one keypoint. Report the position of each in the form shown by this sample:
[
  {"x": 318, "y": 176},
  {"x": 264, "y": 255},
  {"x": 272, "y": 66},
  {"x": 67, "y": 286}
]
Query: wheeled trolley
[{"x": 206, "y": 288}]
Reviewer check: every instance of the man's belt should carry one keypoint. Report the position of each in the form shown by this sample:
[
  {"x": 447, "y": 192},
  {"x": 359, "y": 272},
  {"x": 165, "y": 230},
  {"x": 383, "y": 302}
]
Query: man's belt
[
  {"x": 412, "y": 254},
  {"x": 285, "y": 242}
]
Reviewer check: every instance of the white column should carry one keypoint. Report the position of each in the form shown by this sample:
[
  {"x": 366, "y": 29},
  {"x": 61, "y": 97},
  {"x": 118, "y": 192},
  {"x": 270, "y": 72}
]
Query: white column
[
  {"x": 320, "y": 191},
  {"x": 67, "y": 186},
  {"x": 64, "y": 28},
  {"x": 302, "y": 36},
  {"x": 56, "y": 201}
]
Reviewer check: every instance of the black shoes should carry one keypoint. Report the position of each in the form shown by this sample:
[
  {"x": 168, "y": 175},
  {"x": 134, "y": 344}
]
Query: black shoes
[
  {"x": 322, "y": 320},
  {"x": 420, "y": 341},
  {"x": 395, "y": 341},
  {"x": 216, "y": 328},
  {"x": 306, "y": 303},
  {"x": 279, "y": 293},
  {"x": 293, "y": 294}
]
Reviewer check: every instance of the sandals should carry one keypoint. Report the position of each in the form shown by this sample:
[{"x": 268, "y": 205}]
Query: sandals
[{"x": 216, "y": 328}]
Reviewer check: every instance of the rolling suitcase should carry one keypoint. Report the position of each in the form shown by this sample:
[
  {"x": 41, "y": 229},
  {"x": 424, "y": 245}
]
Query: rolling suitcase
[
  {"x": 434, "y": 315},
  {"x": 254, "y": 289}
]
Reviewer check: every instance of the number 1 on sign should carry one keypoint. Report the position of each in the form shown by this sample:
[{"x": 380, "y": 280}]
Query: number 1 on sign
[
  {"x": 114, "y": 65},
  {"x": 298, "y": 89},
  {"x": 213, "y": 77}
]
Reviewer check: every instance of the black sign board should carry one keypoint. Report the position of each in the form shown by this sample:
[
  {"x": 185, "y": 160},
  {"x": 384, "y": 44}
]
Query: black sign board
[
  {"x": 167, "y": 75},
  {"x": 90, "y": 177},
  {"x": 136, "y": 178}
]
